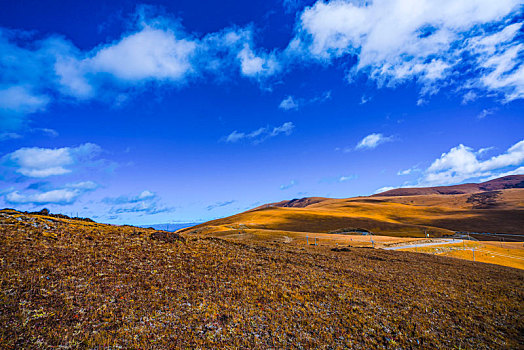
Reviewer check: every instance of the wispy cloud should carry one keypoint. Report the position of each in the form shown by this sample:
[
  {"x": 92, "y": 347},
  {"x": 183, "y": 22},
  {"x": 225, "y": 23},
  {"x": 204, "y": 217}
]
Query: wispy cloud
[
  {"x": 220, "y": 204},
  {"x": 345, "y": 178},
  {"x": 373, "y": 141},
  {"x": 288, "y": 103},
  {"x": 293, "y": 103},
  {"x": 484, "y": 113},
  {"x": 261, "y": 134},
  {"x": 287, "y": 186},
  {"x": 145, "y": 203},
  {"x": 338, "y": 179},
  {"x": 365, "y": 99},
  {"x": 10, "y": 136}
]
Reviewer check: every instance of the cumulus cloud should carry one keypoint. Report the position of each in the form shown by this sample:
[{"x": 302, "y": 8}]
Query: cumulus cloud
[
  {"x": 149, "y": 54},
  {"x": 62, "y": 196},
  {"x": 373, "y": 141},
  {"x": 43, "y": 162},
  {"x": 462, "y": 163},
  {"x": 261, "y": 134},
  {"x": 426, "y": 41},
  {"x": 253, "y": 65}
]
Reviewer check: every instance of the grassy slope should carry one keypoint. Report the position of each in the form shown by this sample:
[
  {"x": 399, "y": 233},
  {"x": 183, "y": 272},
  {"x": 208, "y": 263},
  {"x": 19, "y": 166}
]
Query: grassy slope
[
  {"x": 406, "y": 216},
  {"x": 86, "y": 285}
]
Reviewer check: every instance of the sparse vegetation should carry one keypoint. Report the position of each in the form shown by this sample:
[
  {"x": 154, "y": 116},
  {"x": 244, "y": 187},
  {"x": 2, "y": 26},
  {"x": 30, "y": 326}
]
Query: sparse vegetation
[{"x": 76, "y": 284}]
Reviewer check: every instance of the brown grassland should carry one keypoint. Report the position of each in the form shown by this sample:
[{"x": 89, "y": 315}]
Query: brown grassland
[{"x": 76, "y": 284}]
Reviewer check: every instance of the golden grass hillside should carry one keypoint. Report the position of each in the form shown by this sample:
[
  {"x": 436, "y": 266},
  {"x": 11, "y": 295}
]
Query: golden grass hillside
[
  {"x": 499, "y": 210},
  {"x": 73, "y": 284}
]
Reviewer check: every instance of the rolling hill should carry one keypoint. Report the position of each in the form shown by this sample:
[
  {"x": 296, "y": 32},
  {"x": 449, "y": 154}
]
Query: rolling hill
[{"x": 495, "y": 206}]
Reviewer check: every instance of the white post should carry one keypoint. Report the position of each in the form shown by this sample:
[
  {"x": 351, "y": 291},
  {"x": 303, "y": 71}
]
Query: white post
[
  {"x": 315, "y": 240},
  {"x": 473, "y": 254},
  {"x": 307, "y": 240}
]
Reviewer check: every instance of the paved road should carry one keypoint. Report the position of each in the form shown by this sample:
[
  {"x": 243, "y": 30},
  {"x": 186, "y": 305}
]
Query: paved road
[{"x": 441, "y": 242}]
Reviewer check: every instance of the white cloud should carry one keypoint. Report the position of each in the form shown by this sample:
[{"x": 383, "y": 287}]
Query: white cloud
[
  {"x": 384, "y": 189},
  {"x": 146, "y": 202},
  {"x": 468, "y": 97},
  {"x": 62, "y": 196},
  {"x": 291, "y": 102},
  {"x": 43, "y": 162},
  {"x": 288, "y": 103},
  {"x": 148, "y": 54},
  {"x": 346, "y": 178},
  {"x": 461, "y": 163},
  {"x": 261, "y": 134},
  {"x": 364, "y": 99},
  {"x": 499, "y": 58},
  {"x": 16, "y": 101},
  {"x": 19, "y": 99},
  {"x": 404, "y": 172},
  {"x": 286, "y": 129},
  {"x": 157, "y": 49},
  {"x": 253, "y": 65},
  {"x": 400, "y": 40},
  {"x": 473, "y": 46},
  {"x": 484, "y": 113},
  {"x": 372, "y": 141}
]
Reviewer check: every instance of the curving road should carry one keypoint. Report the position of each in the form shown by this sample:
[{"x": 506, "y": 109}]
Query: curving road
[{"x": 442, "y": 242}]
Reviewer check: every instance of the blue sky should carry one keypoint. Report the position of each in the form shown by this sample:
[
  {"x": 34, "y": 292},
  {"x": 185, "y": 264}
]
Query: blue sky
[{"x": 179, "y": 111}]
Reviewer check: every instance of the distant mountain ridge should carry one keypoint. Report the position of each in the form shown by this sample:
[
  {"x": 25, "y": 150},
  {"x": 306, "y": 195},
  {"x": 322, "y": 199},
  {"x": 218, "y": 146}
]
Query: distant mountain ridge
[
  {"x": 172, "y": 227},
  {"x": 502, "y": 183}
]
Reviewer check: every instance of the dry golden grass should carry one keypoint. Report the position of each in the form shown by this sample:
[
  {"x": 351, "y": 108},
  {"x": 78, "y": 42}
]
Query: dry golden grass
[
  {"x": 501, "y": 253},
  {"x": 406, "y": 216},
  {"x": 68, "y": 284}
]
